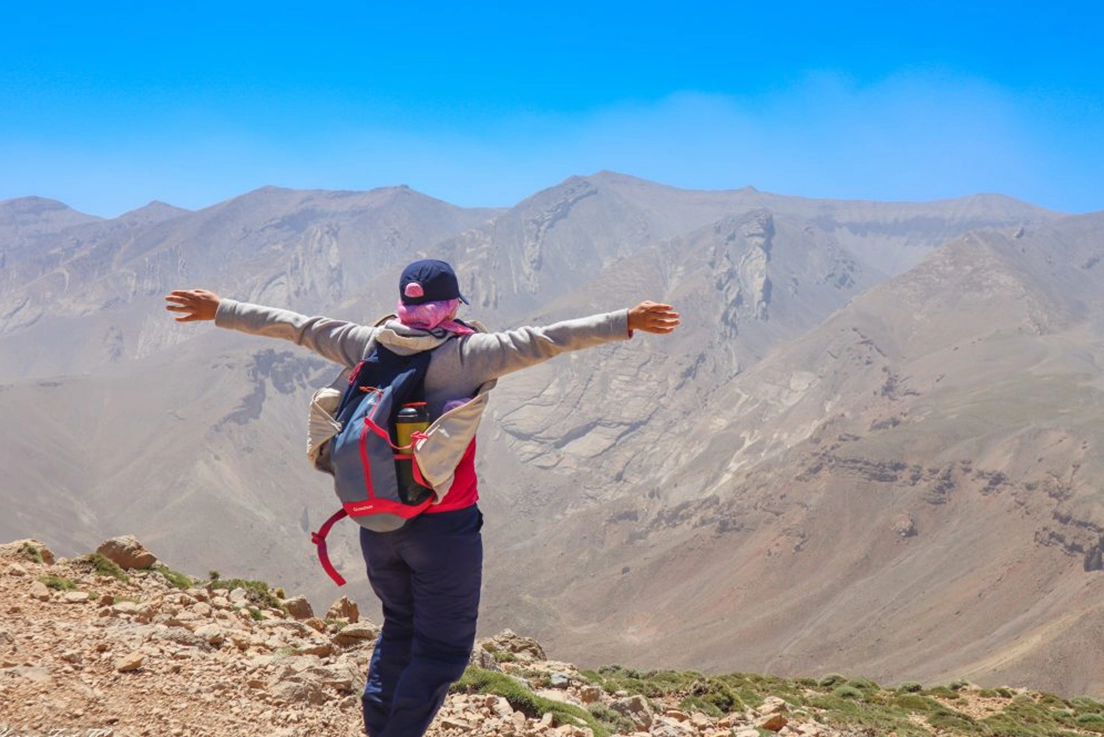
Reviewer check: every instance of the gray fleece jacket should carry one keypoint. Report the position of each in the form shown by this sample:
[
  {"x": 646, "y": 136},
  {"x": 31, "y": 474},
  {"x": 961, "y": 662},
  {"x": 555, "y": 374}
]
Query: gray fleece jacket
[{"x": 460, "y": 367}]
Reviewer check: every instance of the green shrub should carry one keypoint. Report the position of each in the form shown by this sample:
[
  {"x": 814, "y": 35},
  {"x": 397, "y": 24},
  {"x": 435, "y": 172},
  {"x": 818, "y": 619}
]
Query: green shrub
[
  {"x": 848, "y": 692},
  {"x": 1084, "y": 704},
  {"x": 611, "y": 720},
  {"x": 697, "y": 703},
  {"x": 478, "y": 680},
  {"x": 916, "y": 703},
  {"x": 943, "y": 692},
  {"x": 258, "y": 592},
  {"x": 718, "y": 694},
  {"x": 1090, "y": 719},
  {"x": 57, "y": 583},
  {"x": 831, "y": 680},
  {"x": 910, "y": 687},
  {"x": 102, "y": 566},
  {"x": 504, "y": 656},
  {"x": 176, "y": 578},
  {"x": 958, "y": 685},
  {"x": 863, "y": 684},
  {"x": 31, "y": 553},
  {"x": 953, "y": 721}
]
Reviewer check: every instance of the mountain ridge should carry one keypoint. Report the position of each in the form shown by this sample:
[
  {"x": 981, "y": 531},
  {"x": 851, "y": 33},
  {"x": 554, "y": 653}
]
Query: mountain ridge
[{"x": 824, "y": 361}]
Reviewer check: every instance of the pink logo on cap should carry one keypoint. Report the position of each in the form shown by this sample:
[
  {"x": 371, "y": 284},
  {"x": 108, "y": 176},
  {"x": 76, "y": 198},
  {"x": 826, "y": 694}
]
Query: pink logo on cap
[{"x": 414, "y": 290}]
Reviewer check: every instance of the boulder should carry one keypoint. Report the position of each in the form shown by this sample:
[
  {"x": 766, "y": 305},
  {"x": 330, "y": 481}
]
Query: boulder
[
  {"x": 299, "y": 607},
  {"x": 356, "y": 634},
  {"x": 773, "y": 723},
  {"x": 637, "y": 709},
  {"x": 344, "y": 609},
  {"x": 212, "y": 633},
  {"x": 126, "y": 552},
  {"x": 525, "y": 648},
  {"x": 130, "y": 663},
  {"x": 28, "y": 549}
]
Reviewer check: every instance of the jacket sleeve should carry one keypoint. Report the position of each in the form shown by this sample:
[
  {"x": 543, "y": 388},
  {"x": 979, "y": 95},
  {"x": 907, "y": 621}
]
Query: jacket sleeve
[
  {"x": 487, "y": 356},
  {"x": 340, "y": 342}
]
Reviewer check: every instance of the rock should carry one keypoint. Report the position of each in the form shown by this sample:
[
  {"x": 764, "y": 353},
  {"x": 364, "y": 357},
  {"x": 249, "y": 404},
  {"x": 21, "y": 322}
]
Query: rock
[
  {"x": 298, "y": 692},
  {"x": 500, "y": 707},
  {"x": 29, "y": 549},
  {"x": 455, "y": 723},
  {"x": 40, "y": 591},
  {"x": 356, "y": 634},
  {"x": 560, "y": 680},
  {"x": 526, "y": 648},
  {"x": 75, "y": 597},
  {"x": 344, "y": 609},
  {"x": 774, "y": 723},
  {"x": 36, "y": 673},
  {"x": 239, "y": 597},
  {"x": 316, "y": 624},
  {"x": 299, "y": 608},
  {"x": 904, "y": 526},
  {"x": 130, "y": 663},
  {"x": 481, "y": 658},
  {"x": 636, "y": 708},
  {"x": 16, "y": 570},
  {"x": 322, "y": 649},
  {"x": 212, "y": 634},
  {"x": 667, "y": 727},
  {"x": 772, "y": 705},
  {"x": 127, "y": 553},
  {"x": 590, "y": 694}
]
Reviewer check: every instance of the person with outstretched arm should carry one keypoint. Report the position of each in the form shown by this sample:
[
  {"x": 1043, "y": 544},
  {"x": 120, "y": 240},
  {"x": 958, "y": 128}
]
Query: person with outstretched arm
[{"x": 428, "y": 572}]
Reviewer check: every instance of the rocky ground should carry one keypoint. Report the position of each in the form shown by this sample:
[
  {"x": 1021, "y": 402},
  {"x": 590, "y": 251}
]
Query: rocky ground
[{"x": 115, "y": 644}]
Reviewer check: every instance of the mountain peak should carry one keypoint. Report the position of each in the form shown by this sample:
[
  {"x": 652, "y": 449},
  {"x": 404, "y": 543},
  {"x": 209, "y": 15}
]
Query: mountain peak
[{"x": 154, "y": 212}]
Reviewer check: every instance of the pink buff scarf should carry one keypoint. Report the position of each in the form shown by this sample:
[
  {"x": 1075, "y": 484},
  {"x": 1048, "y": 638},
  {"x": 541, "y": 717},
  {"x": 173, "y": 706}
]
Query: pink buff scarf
[{"x": 433, "y": 315}]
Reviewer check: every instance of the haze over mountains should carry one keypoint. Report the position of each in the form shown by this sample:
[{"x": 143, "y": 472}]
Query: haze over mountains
[{"x": 873, "y": 445}]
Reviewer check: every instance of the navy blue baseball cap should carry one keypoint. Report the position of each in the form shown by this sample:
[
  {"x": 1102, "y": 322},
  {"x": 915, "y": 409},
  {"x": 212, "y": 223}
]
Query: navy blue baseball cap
[{"x": 429, "y": 280}]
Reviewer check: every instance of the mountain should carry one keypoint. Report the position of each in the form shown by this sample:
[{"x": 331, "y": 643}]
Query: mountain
[
  {"x": 912, "y": 485},
  {"x": 652, "y": 490}
]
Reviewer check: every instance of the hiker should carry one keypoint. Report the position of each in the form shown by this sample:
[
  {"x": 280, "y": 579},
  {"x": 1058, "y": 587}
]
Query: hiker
[{"x": 428, "y": 572}]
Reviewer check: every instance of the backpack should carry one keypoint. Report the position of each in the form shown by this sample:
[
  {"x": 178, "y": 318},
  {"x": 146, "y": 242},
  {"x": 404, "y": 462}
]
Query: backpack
[{"x": 362, "y": 452}]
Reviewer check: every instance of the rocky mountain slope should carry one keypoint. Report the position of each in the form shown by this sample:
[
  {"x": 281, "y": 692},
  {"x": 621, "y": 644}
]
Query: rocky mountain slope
[
  {"x": 116, "y": 644},
  {"x": 913, "y": 484},
  {"x": 652, "y": 491}
]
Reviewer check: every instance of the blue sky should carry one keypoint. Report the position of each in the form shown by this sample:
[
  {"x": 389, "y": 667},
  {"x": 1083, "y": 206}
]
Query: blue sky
[{"x": 106, "y": 106}]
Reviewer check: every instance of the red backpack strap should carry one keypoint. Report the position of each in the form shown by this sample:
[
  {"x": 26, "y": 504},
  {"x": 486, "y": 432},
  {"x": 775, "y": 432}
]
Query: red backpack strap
[{"x": 319, "y": 539}]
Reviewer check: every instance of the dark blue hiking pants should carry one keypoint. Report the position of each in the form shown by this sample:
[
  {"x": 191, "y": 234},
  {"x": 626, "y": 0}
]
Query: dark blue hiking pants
[{"x": 427, "y": 575}]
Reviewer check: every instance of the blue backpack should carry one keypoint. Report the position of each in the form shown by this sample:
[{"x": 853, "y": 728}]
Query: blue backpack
[{"x": 363, "y": 455}]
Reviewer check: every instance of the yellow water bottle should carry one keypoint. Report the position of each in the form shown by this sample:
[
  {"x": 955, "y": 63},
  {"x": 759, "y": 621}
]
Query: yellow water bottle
[{"x": 412, "y": 418}]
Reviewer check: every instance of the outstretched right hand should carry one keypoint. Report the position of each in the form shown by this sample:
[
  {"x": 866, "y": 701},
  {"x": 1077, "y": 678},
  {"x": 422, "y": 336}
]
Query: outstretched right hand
[
  {"x": 653, "y": 317},
  {"x": 196, "y": 304}
]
